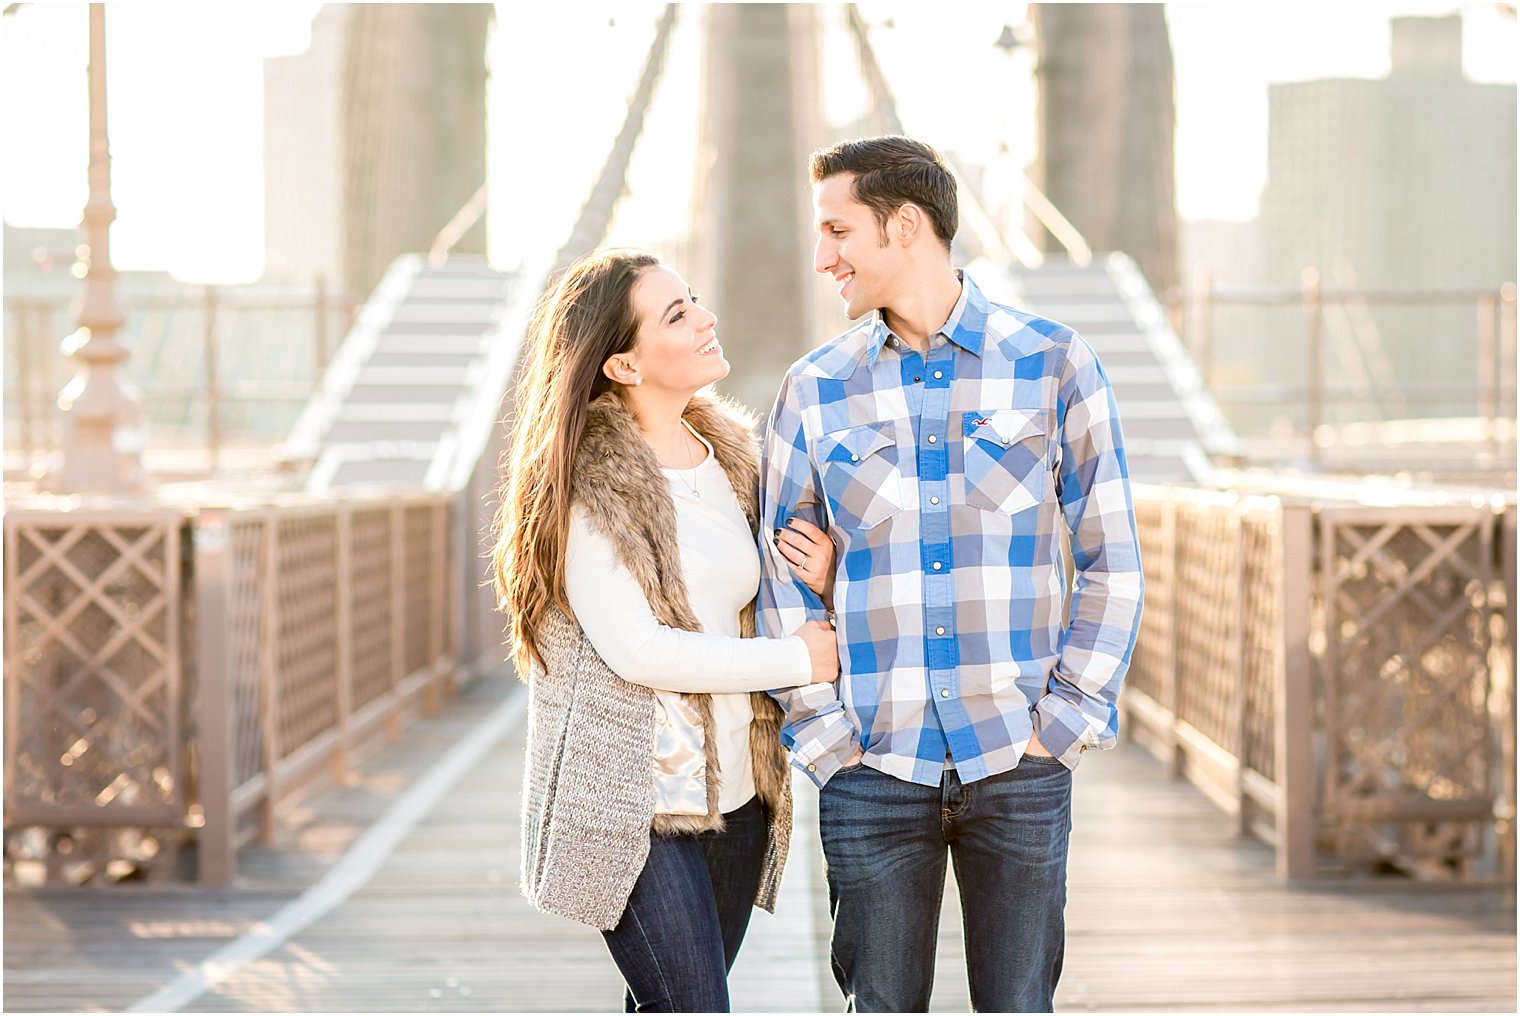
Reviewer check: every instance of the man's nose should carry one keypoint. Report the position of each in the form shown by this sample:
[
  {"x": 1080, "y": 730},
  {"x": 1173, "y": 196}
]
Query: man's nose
[{"x": 824, "y": 256}]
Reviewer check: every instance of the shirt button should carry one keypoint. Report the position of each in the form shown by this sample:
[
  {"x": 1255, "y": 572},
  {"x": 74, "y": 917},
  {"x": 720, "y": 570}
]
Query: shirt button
[
  {"x": 854, "y": 458},
  {"x": 938, "y": 374},
  {"x": 938, "y": 566},
  {"x": 940, "y": 630},
  {"x": 944, "y": 693},
  {"x": 917, "y": 379},
  {"x": 812, "y": 768},
  {"x": 934, "y": 500},
  {"x": 932, "y": 439}
]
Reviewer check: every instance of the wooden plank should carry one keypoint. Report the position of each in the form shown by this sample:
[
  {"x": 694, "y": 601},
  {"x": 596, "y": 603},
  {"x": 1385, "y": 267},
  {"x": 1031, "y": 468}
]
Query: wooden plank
[{"x": 1169, "y": 909}]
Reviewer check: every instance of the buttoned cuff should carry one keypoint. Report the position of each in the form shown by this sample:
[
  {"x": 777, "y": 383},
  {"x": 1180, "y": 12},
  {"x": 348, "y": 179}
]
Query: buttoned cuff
[
  {"x": 827, "y": 750},
  {"x": 1066, "y": 731}
]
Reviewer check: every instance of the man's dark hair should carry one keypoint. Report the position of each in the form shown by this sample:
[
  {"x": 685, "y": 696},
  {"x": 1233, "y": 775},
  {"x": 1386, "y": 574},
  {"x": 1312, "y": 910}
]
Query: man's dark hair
[{"x": 891, "y": 171}]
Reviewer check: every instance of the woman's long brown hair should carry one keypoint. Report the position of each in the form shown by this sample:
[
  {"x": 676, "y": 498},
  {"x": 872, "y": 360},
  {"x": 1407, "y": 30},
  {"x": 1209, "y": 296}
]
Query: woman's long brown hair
[{"x": 587, "y": 317}]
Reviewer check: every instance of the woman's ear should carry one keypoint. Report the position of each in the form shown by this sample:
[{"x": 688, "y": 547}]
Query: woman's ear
[{"x": 621, "y": 371}]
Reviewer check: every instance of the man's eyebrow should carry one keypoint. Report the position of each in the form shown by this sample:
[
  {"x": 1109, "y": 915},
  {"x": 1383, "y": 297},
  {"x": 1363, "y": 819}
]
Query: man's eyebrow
[{"x": 827, "y": 222}]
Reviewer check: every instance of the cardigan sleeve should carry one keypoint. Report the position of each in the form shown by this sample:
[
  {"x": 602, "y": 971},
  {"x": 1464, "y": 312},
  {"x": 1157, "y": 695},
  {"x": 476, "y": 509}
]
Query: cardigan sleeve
[{"x": 616, "y": 617}]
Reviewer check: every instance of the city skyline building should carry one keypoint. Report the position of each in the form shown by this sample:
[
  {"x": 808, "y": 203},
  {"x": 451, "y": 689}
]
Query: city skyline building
[{"x": 1400, "y": 184}]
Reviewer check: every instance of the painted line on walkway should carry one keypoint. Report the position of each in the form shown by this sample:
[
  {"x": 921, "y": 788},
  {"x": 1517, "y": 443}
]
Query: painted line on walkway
[
  {"x": 777, "y": 969},
  {"x": 351, "y": 871}
]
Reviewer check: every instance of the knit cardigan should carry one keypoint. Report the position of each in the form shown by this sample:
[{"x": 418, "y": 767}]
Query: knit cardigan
[{"x": 589, "y": 793}]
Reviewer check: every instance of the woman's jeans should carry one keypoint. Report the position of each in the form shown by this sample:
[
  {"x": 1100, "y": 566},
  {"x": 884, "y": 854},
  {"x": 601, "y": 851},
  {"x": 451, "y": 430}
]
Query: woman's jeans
[
  {"x": 687, "y": 916},
  {"x": 885, "y": 842}
]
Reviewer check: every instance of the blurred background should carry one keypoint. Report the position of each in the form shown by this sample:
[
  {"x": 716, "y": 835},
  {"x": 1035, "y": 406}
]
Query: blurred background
[
  {"x": 267, "y": 269},
  {"x": 1262, "y": 164}
]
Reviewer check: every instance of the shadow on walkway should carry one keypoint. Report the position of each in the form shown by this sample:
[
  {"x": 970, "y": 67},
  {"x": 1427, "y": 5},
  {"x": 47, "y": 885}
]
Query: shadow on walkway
[{"x": 1168, "y": 910}]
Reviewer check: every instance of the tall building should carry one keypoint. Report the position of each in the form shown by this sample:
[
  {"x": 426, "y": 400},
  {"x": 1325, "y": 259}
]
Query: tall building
[
  {"x": 303, "y": 157},
  {"x": 1402, "y": 183},
  {"x": 374, "y": 139}
]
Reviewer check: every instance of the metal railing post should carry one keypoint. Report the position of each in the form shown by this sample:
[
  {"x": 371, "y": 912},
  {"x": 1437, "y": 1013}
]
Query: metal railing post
[
  {"x": 21, "y": 317},
  {"x": 215, "y": 740},
  {"x": 1172, "y": 689},
  {"x": 1313, "y": 322},
  {"x": 1504, "y": 376},
  {"x": 398, "y": 615},
  {"x": 1507, "y": 553},
  {"x": 269, "y": 674},
  {"x": 1293, "y": 736},
  {"x": 1240, "y": 704},
  {"x": 213, "y": 387},
  {"x": 1488, "y": 382},
  {"x": 1205, "y": 348},
  {"x": 10, "y": 687},
  {"x": 343, "y": 641},
  {"x": 438, "y": 606},
  {"x": 319, "y": 343}
]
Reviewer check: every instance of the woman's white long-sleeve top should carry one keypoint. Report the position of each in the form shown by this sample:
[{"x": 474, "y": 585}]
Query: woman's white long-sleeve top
[{"x": 722, "y": 572}]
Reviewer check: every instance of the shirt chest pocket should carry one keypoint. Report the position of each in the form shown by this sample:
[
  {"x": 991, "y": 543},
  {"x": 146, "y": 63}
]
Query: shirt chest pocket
[
  {"x": 1005, "y": 464},
  {"x": 861, "y": 476}
]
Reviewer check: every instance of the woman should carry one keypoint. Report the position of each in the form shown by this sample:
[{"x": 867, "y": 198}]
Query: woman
[{"x": 656, "y": 804}]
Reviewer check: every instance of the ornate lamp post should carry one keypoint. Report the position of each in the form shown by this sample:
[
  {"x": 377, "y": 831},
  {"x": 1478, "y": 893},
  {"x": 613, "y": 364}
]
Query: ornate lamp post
[{"x": 102, "y": 418}]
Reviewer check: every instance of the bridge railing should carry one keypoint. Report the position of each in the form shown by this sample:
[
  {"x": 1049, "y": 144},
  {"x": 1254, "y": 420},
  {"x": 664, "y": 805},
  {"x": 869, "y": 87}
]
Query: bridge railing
[
  {"x": 1333, "y": 348},
  {"x": 173, "y": 676},
  {"x": 1337, "y": 675},
  {"x": 218, "y": 368}
]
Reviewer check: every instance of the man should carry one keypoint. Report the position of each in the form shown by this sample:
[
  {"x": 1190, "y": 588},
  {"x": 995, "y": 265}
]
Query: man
[{"x": 944, "y": 442}]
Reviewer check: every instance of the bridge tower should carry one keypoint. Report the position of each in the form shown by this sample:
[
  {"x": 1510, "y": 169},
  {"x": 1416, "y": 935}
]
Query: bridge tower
[
  {"x": 414, "y": 123},
  {"x": 376, "y": 137},
  {"x": 761, "y": 116},
  {"x": 1106, "y": 129}
]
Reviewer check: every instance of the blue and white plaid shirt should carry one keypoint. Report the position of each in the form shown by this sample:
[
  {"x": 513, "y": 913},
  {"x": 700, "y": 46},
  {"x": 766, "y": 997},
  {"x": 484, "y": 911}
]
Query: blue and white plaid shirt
[{"x": 945, "y": 481}]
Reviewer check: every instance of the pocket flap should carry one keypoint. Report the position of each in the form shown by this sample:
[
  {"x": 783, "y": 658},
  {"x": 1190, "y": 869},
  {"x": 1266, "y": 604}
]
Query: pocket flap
[
  {"x": 1005, "y": 426},
  {"x": 856, "y": 443}
]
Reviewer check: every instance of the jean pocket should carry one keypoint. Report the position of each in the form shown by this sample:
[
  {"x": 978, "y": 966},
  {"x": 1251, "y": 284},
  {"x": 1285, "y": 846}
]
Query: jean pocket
[
  {"x": 1004, "y": 460},
  {"x": 1043, "y": 760},
  {"x": 861, "y": 474}
]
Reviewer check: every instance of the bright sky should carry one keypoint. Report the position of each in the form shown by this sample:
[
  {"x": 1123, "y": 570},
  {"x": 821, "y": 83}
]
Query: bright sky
[{"x": 186, "y": 107}]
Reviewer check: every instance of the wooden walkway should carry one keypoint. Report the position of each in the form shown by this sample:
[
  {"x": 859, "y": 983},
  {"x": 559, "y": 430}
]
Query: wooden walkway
[{"x": 1169, "y": 910}]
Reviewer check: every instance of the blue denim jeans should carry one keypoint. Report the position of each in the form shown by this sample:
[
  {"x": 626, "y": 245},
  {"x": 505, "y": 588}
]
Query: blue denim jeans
[
  {"x": 687, "y": 916},
  {"x": 884, "y": 845}
]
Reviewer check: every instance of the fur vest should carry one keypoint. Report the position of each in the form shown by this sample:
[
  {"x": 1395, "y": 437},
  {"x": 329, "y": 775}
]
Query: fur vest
[{"x": 589, "y": 794}]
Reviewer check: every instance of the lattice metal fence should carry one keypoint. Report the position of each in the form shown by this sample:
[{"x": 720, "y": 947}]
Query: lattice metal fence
[
  {"x": 1338, "y": 676},
  {"x": 171, "y": 678},
  {"x": 1410, "y": 605},
  {"x": 95, "y": 760}
]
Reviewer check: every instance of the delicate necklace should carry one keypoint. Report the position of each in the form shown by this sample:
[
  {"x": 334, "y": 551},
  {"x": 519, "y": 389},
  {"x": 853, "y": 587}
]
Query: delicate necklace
[{"x": 691, "y": 456}]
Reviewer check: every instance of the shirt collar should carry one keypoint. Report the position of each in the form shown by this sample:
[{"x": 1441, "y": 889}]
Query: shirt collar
[{"x": 966, "y": 326}]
